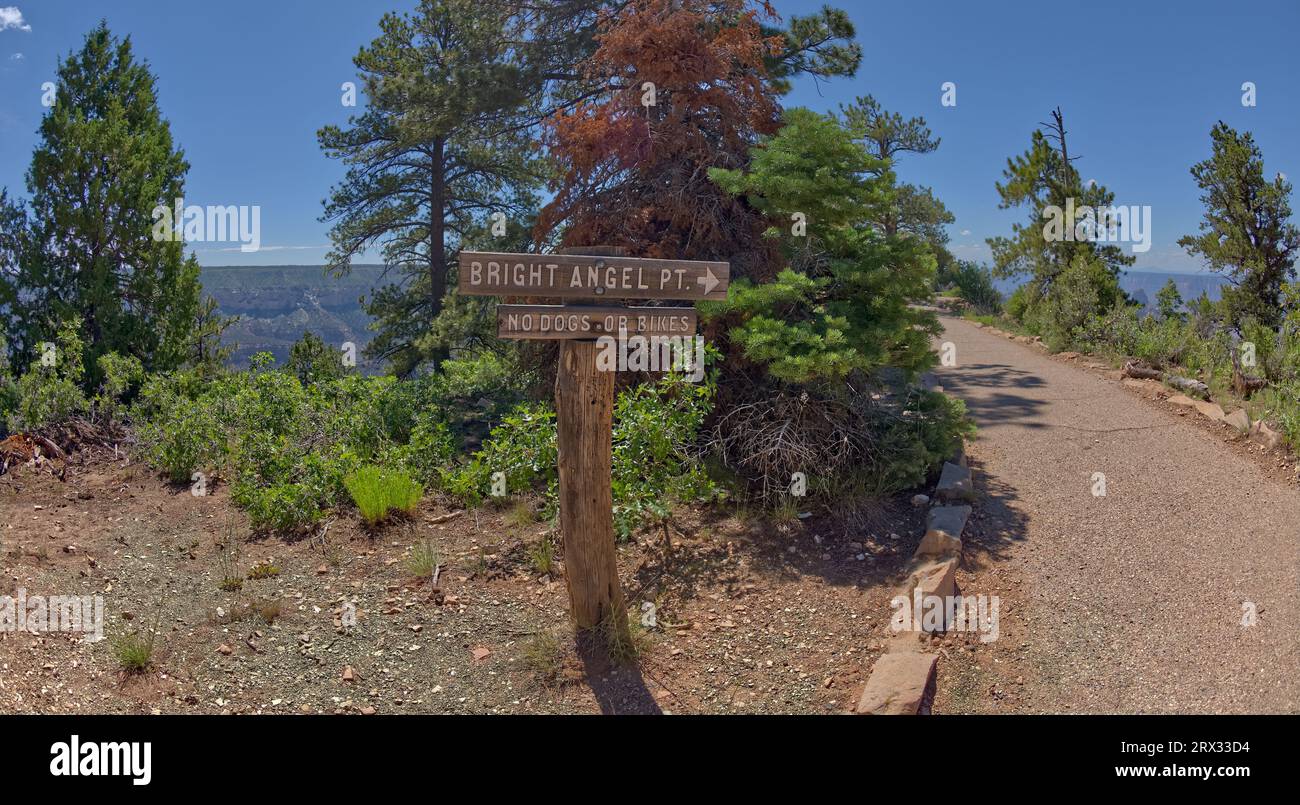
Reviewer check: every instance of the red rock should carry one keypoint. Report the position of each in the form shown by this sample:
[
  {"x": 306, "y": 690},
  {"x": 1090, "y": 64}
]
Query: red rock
[{"x": 897, "y": 684}]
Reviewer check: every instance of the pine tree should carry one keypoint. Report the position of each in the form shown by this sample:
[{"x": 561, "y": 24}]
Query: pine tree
[
  {"x": 1044, "y": 179},
  {"x": 677, "y": 87},
  {"x": 1246, "y": 234},
  {"x": 84, "y": 246},
  {"x": 442, "y": 144},
  {"x": 849, "y": 308},
  {"x": 887, "y": 135},
  {"x": 1169, "y": 302}
]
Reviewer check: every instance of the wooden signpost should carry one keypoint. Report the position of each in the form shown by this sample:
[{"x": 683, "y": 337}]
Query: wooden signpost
[
  {"x": 591, "y": 277},
  {"x": 584, "y": 395}
]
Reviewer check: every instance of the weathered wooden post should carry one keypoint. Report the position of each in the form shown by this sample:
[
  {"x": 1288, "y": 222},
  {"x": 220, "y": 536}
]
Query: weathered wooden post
[
  {"x": 584, "y": 416},
  {"x": 584, "y": 391},
  {"x": 584, "y": 405}
]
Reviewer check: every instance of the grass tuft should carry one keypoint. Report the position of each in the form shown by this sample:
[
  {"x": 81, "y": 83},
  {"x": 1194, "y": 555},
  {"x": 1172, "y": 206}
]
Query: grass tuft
[
  {"x": 134, "y": 652},
  {"x": 424, "y": 560},
  {"x": 542, "y": 555},
  {"x": 378, "y": 492},
  {"x": 265, "y": 569}
]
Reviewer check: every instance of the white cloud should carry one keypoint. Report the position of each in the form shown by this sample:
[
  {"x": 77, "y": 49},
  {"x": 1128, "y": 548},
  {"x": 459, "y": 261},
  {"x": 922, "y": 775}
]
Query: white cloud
[
  {"x": 965, "y": 232},
  {"x": 17, "y": 57},
  {"x": 267, "y": 249},
  {"x": 11, "y": 17}
]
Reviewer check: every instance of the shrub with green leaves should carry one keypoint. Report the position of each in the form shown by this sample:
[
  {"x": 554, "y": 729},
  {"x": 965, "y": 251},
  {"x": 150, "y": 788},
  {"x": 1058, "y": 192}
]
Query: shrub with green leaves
[
  {"x": 655, "y": 445},
  {"x": 522, "y": 447},
  {"x": 50, "y": 392},
  {"x": 192, "y": 437},
  {"x": 311, "y": 360},
  {"x": 379, "y": 491},
  {"x": 972, "y": 282}
]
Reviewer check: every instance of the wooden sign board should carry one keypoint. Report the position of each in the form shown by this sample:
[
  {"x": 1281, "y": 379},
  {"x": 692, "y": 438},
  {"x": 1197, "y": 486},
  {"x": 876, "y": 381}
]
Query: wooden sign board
[
  {"x": 578, "y": 322},
  {"x": 591, "y": 276}
]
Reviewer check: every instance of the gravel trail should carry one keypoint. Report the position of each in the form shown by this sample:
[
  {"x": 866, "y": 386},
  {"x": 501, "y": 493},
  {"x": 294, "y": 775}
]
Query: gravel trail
[{"x": 1130, "y": 602}]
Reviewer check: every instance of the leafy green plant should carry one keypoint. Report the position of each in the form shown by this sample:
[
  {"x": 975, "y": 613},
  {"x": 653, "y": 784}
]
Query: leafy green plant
[
  {"x": 50, "y": 392},
  {"x": 522, "y": 447},
  {"x": 656, "y": 431}
]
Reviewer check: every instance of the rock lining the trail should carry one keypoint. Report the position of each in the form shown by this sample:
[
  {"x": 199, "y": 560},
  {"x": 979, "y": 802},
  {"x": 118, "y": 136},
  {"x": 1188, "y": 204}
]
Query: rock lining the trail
[{"x": 903, "y": 678}]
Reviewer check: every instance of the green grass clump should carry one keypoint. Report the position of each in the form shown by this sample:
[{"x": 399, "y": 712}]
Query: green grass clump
[
  {"x": 377, "y": 492},
  {"x": 134, "y": 652},
  {"x": 542, "y": 555},
  {"x": 424, "y": 560}
]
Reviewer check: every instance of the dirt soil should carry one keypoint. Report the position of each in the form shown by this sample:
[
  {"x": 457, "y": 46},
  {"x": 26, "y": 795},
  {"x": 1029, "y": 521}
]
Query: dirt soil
[{"x": 749, "y": 617}]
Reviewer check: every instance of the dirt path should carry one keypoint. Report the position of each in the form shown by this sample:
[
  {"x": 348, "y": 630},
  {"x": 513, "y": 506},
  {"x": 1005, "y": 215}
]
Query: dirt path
[{"x": 1131, "y": 602}]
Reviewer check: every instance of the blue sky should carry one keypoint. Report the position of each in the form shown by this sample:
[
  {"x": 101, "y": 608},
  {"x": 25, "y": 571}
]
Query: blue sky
[{"x": 246, "y": 85}]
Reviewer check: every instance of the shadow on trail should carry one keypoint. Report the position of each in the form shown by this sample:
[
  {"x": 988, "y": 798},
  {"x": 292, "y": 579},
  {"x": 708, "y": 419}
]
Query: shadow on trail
[
  {"x": 1000, "y": 526},
  {"x": 739, "y": 553},
  {"x": 971, "y": 381}
]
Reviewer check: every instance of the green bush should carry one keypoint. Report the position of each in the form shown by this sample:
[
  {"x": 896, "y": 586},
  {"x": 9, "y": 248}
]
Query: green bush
[
  {"x": 50, "y": 392},
  {"x": 522, "y": 447},
  {"x": 972, "y": 282},
  {"x": 927, "y": 431},
  {"x": 121, "y": 374},
  {"x": 191, "y": 438},
  {"x": 377, "y": 492},
  {"x": 656, "y": 433},
  {"x": 311, "y": 360}
]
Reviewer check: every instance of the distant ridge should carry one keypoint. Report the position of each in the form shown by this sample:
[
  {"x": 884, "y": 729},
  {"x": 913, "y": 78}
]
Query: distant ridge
[
  {"x": 277, "y": 304},
  {"x": 1143, "y": 285}
]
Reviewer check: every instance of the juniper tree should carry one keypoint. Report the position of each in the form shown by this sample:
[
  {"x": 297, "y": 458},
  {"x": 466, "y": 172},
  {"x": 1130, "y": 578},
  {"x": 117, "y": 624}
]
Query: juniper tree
[{"x": 82, "y": 246}]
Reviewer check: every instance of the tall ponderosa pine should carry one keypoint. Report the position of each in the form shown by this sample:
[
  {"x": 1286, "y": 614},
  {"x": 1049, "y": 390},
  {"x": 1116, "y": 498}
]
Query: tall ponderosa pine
[
  {"x": 442, "y": 144},
  {"x": 1247, "y": 234},
  {"x": 886, "y": 135},
  {"x": 83, "y": 247},
  {"x": 1043, "y": 177}
]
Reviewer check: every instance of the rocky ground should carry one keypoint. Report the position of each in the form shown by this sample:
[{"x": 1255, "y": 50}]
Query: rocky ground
[{"x": 750, "y": 617}]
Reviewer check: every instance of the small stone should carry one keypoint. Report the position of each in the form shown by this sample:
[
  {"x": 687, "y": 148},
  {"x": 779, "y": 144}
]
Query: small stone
[
  {"x": 224, "y": 649},
  {"x": 348, "y": 674},
  {"x": 920, "y": 500}
]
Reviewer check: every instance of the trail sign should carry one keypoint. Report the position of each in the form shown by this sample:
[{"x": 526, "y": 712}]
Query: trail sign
[
  {"x": 584, "y": 392},
  {"x": 591, "y": 276},
  {"x": 548, "y": 322}
]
